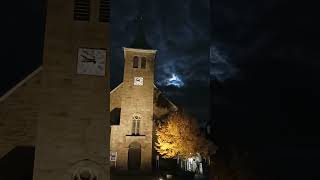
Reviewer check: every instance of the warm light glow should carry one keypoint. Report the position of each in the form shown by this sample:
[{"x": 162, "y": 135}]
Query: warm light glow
[{"x": 180, "y": 136}]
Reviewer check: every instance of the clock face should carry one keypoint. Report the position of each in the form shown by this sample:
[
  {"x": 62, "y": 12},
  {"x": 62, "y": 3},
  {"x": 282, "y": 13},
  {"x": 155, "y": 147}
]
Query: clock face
[
  {"x": 91, "y": 61},
  {"x": 138, "y": 81}
]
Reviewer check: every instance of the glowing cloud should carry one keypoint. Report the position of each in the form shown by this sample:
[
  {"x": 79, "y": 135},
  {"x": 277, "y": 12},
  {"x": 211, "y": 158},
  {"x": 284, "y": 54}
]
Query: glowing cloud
[{"x": 174, "y": 81}]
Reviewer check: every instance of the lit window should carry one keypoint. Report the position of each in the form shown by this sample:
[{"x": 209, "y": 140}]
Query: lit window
[
  {"x": 143, "y": 62},
  {"x": 135, "y": 62},
  {"x": 135, "y": 125}
]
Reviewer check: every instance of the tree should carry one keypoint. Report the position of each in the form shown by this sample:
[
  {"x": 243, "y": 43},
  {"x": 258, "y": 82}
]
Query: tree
[{"x": 180, "y": 136}]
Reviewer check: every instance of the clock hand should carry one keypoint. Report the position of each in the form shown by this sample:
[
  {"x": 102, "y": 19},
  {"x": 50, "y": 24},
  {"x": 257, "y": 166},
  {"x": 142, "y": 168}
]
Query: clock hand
[
  {"x": 88, "y": 59},
  {"x": 86, "y": 52},
  {"x": 94, "y": 60},
  {"x": 85, "y": 57}
]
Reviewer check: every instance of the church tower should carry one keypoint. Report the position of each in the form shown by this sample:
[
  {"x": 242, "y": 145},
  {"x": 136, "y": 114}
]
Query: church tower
[
  {"x": 131, "y": 139},
  {"x": 73, "y": 121}
]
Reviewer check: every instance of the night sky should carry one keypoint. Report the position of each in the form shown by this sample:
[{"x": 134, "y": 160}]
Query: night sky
[
  {"x": 264, "y": 69},
  {"x": 22, "y": 32},
  {"x": 180, "y": 31},
  {"x": 265, "y": 86}
]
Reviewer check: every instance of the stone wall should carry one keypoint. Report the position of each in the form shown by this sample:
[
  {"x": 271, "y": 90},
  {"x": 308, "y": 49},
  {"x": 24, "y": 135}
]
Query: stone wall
[
  {"x": 120, "y": 141},
  {"x": 115, "y": 97},
  {"x": 162, "y": 106},
  {"x": 73, "y": 122},
  {"x": 18, "y": 115},
  {"x": 135, "y": 101}
]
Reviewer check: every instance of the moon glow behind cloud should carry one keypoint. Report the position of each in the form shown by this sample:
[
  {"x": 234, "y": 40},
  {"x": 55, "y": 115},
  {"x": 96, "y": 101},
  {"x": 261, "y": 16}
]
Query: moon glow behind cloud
[{"x": 175, "y": 81}]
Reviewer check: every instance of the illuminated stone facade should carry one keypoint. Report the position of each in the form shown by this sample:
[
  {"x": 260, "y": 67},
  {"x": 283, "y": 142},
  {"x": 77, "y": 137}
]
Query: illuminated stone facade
[
  {"x": 136, "y": 117},
  {"x": 72, "y": 126},
  {"x": 61, "y": 112},
  {"x": 135, "y": 104},
  {"x": 65, "y": 115}
]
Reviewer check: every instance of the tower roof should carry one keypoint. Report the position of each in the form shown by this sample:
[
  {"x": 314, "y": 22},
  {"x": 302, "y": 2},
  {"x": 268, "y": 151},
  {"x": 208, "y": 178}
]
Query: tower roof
[{"x": 140, "y": 41}]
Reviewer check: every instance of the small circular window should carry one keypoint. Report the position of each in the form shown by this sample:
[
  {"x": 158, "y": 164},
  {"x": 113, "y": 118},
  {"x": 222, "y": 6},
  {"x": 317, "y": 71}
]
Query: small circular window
[{"x": 84, "y": 174}]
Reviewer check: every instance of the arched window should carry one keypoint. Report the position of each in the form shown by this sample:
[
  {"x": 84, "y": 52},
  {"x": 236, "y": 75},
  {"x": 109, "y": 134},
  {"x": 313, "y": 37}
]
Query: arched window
[
  {"x": 135, "y": 62},
  {"x": 143, "y": 62},
  {"x": 135, "y": 125},
  {"x": 84, "y": 174}
]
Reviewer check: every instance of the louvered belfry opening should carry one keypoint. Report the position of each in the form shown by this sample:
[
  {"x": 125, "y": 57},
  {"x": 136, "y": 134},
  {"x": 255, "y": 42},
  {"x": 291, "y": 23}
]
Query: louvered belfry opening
[
  {"x": 104, "y": 11},
  {"x": 81, "y": 10}
]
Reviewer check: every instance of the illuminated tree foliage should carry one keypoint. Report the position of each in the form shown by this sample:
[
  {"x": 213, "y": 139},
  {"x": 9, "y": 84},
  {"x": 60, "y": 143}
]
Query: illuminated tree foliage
[{"x": 180, "y": 136}]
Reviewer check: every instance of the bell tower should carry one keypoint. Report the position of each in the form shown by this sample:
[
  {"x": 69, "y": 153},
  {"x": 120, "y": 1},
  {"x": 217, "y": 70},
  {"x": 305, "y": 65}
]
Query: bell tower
[
  {"x": 132, "y": 138},
  {"x": 72, "y": 140}
]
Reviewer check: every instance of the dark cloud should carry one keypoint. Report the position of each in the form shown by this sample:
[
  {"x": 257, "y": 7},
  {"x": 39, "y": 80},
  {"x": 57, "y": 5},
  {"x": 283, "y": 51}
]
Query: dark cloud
[
  {"x": 179, "y": 30},
  {"x": 267, "y": 106},
  {"x": 220, "y": 68}
]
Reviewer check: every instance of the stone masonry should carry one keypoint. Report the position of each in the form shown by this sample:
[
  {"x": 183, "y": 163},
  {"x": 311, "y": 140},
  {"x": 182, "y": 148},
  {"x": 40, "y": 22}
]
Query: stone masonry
[
  {"x": 63, "y": 114},
  {"x": 73, "y": 129},
  {"x": 145, "y": 101}
]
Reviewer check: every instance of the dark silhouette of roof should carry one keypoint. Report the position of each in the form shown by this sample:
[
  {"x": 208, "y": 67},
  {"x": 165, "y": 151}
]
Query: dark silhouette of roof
[
  {"x": 140, "y": 41},
  {"x": 18, "y": 164}
]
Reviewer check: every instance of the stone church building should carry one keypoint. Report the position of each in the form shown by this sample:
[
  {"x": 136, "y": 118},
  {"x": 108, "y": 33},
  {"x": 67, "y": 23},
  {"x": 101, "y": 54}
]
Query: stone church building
[
  {"x": 135, "y": 104},
  {"x": 57, "y": 118}
]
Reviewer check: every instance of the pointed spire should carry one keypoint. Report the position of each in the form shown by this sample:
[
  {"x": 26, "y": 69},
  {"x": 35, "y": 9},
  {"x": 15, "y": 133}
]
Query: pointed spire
[{"x": 140, "y": 41}]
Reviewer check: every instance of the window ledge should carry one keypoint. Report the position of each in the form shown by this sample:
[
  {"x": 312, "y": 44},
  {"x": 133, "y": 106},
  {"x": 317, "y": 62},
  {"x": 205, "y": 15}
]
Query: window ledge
[
  {"x": 130, "y": 138},
  {"x": 133, "y": 135}
]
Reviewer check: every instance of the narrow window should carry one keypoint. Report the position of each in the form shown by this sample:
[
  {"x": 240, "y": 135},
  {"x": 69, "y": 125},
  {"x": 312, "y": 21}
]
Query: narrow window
[
  {"x": 104, "y": 11},
  {"x": 143, "y": 63},
  {"x": 135, "y": 62},
  {"x": 81, "y": 10},
  {"x": 133, "y": 127},
  {"x": 136, "y": 125}
]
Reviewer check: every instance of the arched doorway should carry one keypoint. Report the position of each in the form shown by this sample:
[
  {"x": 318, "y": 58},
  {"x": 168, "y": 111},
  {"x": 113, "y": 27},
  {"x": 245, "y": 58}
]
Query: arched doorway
[{"x": 134, "y": 156}]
